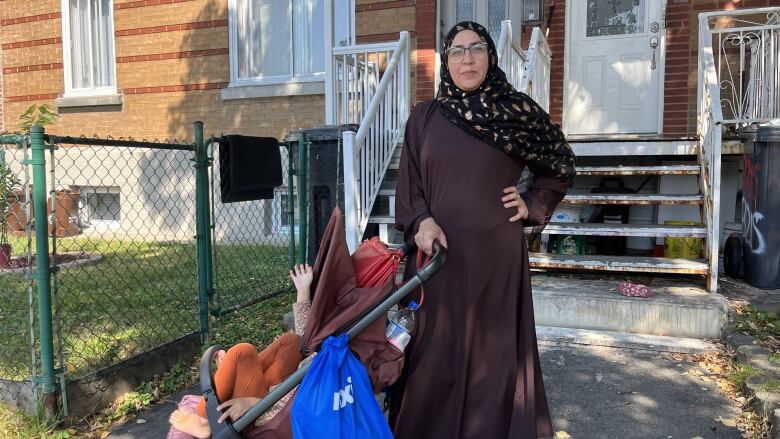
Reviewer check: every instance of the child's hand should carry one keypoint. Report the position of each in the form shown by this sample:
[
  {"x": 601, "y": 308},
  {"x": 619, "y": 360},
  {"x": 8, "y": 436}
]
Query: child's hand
[
  {"x": 302, "y": 276},
  {"x": 236, "y": 408}
]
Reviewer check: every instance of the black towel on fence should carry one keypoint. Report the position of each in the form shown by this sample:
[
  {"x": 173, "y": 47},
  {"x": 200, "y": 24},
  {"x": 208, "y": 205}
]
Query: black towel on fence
[{"x": 250, "y": 168}]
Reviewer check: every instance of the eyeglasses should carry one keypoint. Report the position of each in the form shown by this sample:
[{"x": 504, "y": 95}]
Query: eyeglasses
[{"x": 477, "y": 50}]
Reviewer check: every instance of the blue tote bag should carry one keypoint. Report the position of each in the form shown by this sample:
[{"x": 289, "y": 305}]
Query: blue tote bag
[{"x": 335, "y": 399}]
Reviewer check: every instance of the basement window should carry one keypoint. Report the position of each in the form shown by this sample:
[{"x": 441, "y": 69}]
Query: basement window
[{"x": 100, "y": 205}]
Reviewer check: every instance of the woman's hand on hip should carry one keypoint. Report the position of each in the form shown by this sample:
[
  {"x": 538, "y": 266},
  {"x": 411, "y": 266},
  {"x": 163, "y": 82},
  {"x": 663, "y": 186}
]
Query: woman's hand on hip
[
  {"x": 512, "y": 199},
  {"x": 427, "y": 233}
]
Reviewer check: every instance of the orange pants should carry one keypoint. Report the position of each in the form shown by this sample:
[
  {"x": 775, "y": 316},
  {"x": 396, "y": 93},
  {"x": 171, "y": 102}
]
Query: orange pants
[{"x": 244, "y": 372}]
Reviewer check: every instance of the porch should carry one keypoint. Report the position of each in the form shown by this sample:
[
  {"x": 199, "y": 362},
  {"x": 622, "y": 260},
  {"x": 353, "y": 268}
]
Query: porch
[{"x": 661, "y": 180}]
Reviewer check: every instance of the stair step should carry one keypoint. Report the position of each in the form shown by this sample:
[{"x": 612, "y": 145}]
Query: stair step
[
  {"x": 646, "y": 230},
  {"x": 381, "y": 219},
  {"x": 387, "y": 192},
  {"x": 632, "y": 147},
  {"x": 557, "y": 336},
  {"x": 632, "y": 199},
  {"x": 639, "y": 170},
  {"x": 618, "y": 263},
  {"x": 677, "y": 308}
]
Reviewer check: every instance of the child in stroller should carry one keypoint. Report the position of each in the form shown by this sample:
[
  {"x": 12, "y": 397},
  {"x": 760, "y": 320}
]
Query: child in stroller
[
  {"x": 244, "y": 376},
  {"x": 350, "y": 295}
]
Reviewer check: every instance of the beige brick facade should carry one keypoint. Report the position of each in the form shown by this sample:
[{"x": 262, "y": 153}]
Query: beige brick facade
[
  {"x": 2, "y": 120},
  {"x": 171, "y": 63}
]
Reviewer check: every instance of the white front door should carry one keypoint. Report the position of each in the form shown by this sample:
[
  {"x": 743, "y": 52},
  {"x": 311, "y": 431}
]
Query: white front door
[{"x": 614, "y": 67}]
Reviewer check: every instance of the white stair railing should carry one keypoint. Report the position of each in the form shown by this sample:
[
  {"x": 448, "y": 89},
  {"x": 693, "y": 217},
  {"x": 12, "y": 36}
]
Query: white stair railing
[
  {"x": 535, "y": 81},
  {"x": 356, "y": 72},
  {"x": 709, "y": 131},
  {"x": 381, "y": 111},
  {"x": 746, "y": 57},
  {"x": 510, "y": 57}
]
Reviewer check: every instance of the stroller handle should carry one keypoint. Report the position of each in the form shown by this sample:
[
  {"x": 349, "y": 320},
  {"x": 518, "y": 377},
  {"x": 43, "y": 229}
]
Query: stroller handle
[{"x": 229, "y": 430}]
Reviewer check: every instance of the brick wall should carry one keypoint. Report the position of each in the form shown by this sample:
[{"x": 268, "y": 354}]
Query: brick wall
[
  {"x": 2, "y": 119},
  {"x": 171, "y": 63},
  {"x": 382, "y": 20}
]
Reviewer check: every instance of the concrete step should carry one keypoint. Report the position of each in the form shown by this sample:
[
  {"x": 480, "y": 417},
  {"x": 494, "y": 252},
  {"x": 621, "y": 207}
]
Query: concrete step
[
  {"x": 632, "y": 199},
  {"x": 602, "y": 229},
  {"x": 556, "y": 336},
  {"x": 676, "y": 309},
  {"x": 618, "y": 263},
  {"x": 639, "y": 170}
]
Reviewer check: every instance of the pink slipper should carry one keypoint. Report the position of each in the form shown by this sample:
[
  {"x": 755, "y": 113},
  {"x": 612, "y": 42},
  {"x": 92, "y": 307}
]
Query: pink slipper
[{"x": 634, "y": 290}]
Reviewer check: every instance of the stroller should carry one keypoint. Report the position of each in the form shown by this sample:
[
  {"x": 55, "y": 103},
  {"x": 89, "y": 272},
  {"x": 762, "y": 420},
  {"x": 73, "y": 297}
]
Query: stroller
[{"x": 338, "y": 306}]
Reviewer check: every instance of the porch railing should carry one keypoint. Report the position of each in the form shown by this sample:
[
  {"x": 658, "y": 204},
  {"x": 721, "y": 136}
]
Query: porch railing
[
  {"x": 528, "y": 72},
  {"x": 510, "y": 56},
  {"x": 709, "y": 132},
  {"x": 746, "y": 57},
  {"x": 355, "y": 78},
  {"x": 381, "y": 111},
  {"x": 535, "y": 81}
]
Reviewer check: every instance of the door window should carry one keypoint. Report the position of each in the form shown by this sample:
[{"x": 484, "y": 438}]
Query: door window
[{"x": 615, "y": 17}]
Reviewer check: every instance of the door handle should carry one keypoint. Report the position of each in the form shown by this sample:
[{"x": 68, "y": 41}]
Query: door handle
[{"x": 654, "y": 46}]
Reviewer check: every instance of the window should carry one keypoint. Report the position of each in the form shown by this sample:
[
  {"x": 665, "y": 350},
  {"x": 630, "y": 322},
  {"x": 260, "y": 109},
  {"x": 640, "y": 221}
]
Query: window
[
  {"x": 88, "y": 47},
  {"x": 281, "y": 212},
  {"x": 276, "y": 41},
  {"x": 615, "y": 17},
  {"x": 100, "y": 206},
  {"x": 489, "y": 13}
]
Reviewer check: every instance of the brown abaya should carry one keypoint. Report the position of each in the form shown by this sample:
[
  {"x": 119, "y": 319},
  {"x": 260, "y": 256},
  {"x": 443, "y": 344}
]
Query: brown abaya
[{"x": 472, "y": 368}]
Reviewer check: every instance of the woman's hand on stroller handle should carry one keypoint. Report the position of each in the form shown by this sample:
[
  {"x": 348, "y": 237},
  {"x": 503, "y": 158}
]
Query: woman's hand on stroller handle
[{"x": 428, "y": 232}]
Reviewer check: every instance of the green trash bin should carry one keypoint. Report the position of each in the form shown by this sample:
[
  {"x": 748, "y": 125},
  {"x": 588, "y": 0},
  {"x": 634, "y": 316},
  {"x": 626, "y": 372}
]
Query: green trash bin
[{"x": 324, "y": 179}]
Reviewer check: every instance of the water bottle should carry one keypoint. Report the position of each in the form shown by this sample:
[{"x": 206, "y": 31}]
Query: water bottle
[{"x": 400, "y": 325}]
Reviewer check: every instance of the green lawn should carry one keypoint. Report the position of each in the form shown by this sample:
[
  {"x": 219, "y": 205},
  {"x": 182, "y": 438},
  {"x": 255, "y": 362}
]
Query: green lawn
[{"x": 139, "y": 296}]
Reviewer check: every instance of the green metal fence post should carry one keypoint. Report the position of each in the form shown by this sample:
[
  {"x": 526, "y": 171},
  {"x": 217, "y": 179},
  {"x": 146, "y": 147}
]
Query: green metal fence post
[
  {"x": 43, "y": 272},
  {"x": 303, "y": 211},
  {"x": 203, "y": 231}
]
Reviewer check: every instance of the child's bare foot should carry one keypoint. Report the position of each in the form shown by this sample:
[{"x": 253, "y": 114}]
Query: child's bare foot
[
  {"x": 190, "y": 423},
  {"x": 302, "y": 276}
]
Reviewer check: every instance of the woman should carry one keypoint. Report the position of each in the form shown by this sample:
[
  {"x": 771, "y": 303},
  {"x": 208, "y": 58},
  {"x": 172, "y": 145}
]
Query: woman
[{"x": 472, "y": 366}]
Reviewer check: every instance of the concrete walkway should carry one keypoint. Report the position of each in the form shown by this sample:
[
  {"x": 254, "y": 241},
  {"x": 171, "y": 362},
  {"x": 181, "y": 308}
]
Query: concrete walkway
[{"x": 594, "y": 392}]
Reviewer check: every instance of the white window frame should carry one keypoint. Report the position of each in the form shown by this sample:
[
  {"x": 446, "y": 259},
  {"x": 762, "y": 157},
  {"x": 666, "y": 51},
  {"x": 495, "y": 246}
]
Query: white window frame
[
  {"x": 84, "y": 209},
  {"x": 235, "y": 81},
  {"x": 67, "y": 59},
  {"x": 277, "y": 213}
]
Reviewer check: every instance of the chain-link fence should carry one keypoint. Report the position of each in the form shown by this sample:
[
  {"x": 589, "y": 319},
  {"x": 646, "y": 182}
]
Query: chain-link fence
[
  {"x": 257, "y": 233},
  {"x": 123, "y": 231},
  {"x": 130, "y": 247},
  {"x": 17, "y": 301}
]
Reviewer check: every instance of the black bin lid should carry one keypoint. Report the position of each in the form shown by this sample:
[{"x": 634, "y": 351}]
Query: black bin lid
[
  {"x": 769, "y": 132},
  {"x": 324, "y": 133}
]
